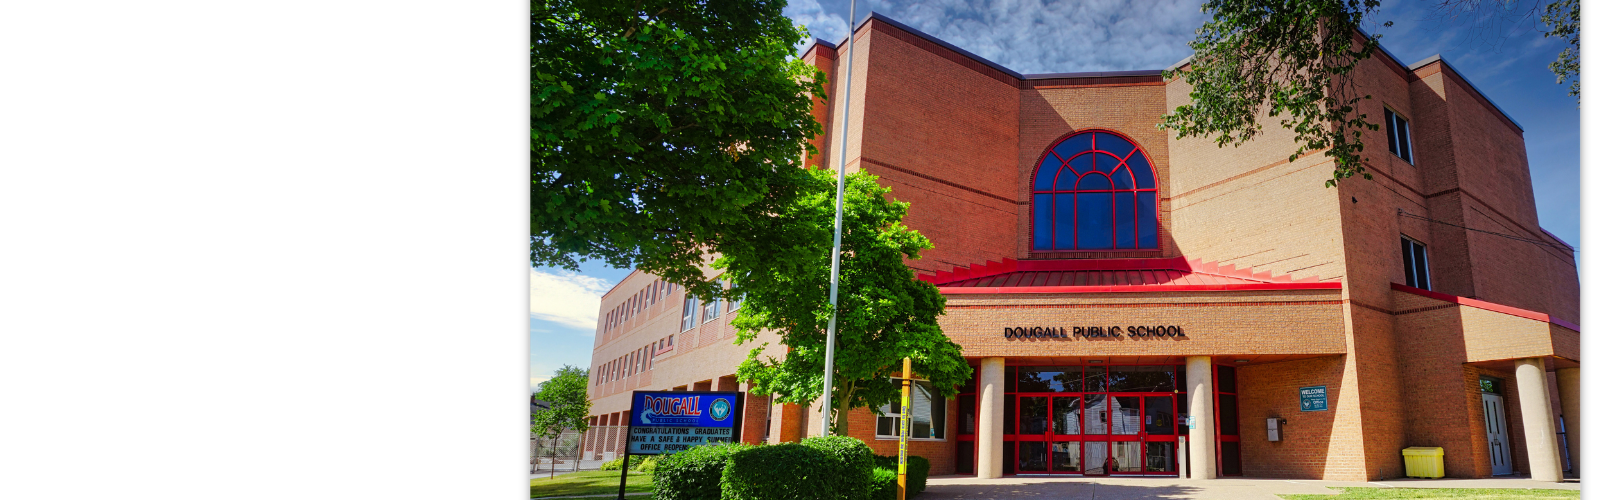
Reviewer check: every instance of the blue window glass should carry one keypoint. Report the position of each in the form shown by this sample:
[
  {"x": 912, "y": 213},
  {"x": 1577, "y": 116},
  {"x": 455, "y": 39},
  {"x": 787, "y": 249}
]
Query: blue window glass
[
  {"x": 1142, "y": 172},
  {"x": 1094, "y": 182},
  {"x": 1148, "y": 227},
  {"x": 1122, "y": 179},
  {"x": 1110, "y": 143},
  {"x": 1126, "y": 218},
  {"x": 1064, "y": 217},
  {"x": 1102, "y": 198},
  {"x": 1080, "y": 165},
  {"x": 1041, "y": 221},
  {"x": 1105, "y": 163},
  {"x": 1046, "y": 172},
  {"x": 1094, "y": 221},
  {"x": 1073, "y": 145}
]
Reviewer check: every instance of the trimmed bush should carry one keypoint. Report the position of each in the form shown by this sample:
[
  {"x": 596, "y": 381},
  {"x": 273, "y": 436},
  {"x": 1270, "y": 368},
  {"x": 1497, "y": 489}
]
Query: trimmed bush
[
  {"x": 635, "y": 462},
  {"x": 694, "y": 474},
  {"x": 849, "y": 468},
  {"x": 916, "y": 474},
  {"x": 884, "y": 484},
  {"x": 789, "y": 471}
]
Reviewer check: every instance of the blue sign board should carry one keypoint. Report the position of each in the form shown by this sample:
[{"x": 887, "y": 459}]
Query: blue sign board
[
  {"x": 672, "y": 421},
  {"x": 1314, "y": 398}
]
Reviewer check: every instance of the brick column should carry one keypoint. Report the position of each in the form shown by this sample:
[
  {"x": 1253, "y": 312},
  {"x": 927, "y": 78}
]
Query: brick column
[
  {"x": 1538, "y": 425},
  {"x": 991, "y": 415},
  {"x": 1567, "y": 387},
  {"x": 1202, "y": 431}
]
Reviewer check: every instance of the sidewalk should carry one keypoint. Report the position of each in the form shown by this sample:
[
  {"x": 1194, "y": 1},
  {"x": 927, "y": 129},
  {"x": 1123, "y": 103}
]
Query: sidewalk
[{"x": 967, "y": 487}]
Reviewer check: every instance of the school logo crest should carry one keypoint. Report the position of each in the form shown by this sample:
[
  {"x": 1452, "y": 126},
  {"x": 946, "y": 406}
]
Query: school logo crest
[{"x": 720, "y": 409}]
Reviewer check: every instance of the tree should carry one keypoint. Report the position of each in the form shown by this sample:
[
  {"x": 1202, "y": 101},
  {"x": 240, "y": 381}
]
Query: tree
[
  {"x": 1292, "y": 58},
  {"x": 1289, "y": 57},
  {"x": 885, "y": 313},
  {"x": 568, "y": 395},
  {"x": 663, "y": 130}
]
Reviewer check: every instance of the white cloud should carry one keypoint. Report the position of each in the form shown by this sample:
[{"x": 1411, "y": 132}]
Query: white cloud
[
  {"x": 809, "y": 13},
  {"x": 1038, "y": 36},
  {"x": 568, "y": 298}
]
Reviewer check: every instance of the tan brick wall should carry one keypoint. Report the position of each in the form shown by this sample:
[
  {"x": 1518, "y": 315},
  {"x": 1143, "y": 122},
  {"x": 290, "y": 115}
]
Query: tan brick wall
[{"x": 1307, "y": 449}]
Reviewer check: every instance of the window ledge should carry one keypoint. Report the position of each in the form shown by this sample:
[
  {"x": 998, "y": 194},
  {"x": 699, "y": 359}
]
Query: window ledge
[{"x": 897, "y": 438}]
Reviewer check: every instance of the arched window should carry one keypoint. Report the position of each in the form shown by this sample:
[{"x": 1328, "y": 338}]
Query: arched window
[{"x": 1094, "y": 190}]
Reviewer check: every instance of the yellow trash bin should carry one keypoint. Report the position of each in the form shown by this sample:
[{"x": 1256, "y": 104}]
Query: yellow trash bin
[{"x": 1423, "y": 462}]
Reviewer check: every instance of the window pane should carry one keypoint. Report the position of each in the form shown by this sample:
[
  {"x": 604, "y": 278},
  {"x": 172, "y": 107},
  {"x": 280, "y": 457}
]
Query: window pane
[
  {"x": 1011, "y": 409},
  {"x": 1403, "y": 130},
  {"x": 1081, "y": 165},
  {"x": 1181, "y": 402},
  {"x": 1046, "y": 175},
  {"x": 1144, "y": 176},
  {"x": 1067, "y": 415},
  {"x": 1125, "y": 415},
  {"x": 1105, "y": 163},
  {"x": 1230, "y": 459},
  {"x": 1122, "y": 179},
  {"x": 1156, "y": 378},
  {"x": 1112, "y": 144},
  {"x": 1030, "y": 456},
  {"x": 1228, "y": 414},
  {"x": 1009, "y": 464},
  {"x": 1160, "y": 457},
  {"x": 1094, "y": 413},
  {"x": 1066, "y": 214},
  {"x": 928, "y": 410},
  {"x": 1041, "y": 221},
  {"x": 1419, "y": 254},
  {"x": 1034, "y": 415},
  {"x": 1149, "y": 227},
  {"x": 1094, "y": 379},
  {"x": 1073, "y": 145},
  {"x": 1388, "y": 123},
  {"x": 1125, "y": 456},
  {"x": 1094, "y": 458},
  {"x": 1126, "y": 215},
  {"x": 1094, "y": 182},
  {"x": 1158, "y": 415},
  {"x": 1011, "y": 379},
  {"x": 1225, "y": 379},
  {"x": 1066, "y": 457},
  {"x": 967, "y": 414},
  {"x": 1094, "y": 220},
  {"x": 1410, "y": 265},
  {"x": 886, "y": 425},
  {"x": 966, "y": 453}
]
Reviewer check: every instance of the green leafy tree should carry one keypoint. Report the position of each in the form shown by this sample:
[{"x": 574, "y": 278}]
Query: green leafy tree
[
  {"x": 663, "y": 130},
  {"x": 1287, "y": 58},
  {"x": 1562, "y": 17},
  {"x": 568, "y": 395},
  {"x": 885, "y": 313},
  {"x": 1291, "y": 60}
]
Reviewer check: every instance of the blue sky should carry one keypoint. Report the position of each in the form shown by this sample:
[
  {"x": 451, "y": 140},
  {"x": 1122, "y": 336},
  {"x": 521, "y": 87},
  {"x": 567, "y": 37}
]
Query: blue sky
[{"x": 1506, "y": 62}]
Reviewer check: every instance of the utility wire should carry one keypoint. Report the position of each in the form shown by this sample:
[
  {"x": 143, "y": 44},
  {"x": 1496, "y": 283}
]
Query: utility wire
[{"x": 1403, "y": 213}]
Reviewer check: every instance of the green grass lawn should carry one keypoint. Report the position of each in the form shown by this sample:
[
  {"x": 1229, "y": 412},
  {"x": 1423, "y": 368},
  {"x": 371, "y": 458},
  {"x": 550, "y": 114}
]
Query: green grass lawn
[
  {"x": 597, "y": 482},
  {"x": 1453, "y": 493}
]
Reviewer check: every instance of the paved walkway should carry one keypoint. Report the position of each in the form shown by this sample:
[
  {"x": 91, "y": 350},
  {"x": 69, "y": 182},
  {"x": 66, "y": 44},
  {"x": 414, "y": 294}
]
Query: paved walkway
[{"x": 1075, "y": 488}]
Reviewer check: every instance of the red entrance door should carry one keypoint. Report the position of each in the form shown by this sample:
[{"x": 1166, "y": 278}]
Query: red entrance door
[{"x": 1096, "y": 434}]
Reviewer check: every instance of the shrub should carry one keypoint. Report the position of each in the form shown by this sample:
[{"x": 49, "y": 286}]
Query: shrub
[
  {"x": 648, "y": 465},
  {"x": 634, "y": 463},
  {"x": 916, "y": 475},
  {"x": 789, "y": 471},
  {"x": 849, "y": 468},
  {"x": 694, "y": 474},
  {"x": 884, "y": 484}
]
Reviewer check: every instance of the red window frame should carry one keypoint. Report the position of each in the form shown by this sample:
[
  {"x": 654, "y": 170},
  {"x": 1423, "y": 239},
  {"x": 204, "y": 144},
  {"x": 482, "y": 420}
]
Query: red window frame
[{"x": 1138, "y": 149}]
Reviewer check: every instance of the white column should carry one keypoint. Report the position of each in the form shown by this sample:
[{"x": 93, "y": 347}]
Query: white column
[
  {"x": 991, "y": 417},
  {"x": 1567, "y": 387},
  {"x": 1538, "y": 425},
  {"x": 1203, "y": 431}
]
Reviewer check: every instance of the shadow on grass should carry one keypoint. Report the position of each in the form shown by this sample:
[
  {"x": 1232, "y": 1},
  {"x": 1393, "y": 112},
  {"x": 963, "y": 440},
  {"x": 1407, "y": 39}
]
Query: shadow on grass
[{"x": 1056, "y": 490}]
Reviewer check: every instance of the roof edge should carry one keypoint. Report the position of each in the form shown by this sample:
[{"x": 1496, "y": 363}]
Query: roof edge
[{"x": 1440, "y": 59}]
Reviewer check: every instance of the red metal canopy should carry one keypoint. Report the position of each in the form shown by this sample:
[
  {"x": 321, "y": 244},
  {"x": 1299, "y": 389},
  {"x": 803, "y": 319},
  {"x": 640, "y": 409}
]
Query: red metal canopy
[{"x": 1113, "y": 275}]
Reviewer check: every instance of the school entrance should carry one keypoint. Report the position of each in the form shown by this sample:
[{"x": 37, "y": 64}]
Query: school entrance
[{"x": 1100, "y": 420}]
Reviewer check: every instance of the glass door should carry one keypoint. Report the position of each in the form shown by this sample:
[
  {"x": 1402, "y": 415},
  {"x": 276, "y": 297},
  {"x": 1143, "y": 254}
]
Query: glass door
[
  {"x": 1126, "y": 436},
  {"x": 1160, "y": 436},
  {"x": 1033, "y": 429},
  {"x": 1066, "y": 434}
]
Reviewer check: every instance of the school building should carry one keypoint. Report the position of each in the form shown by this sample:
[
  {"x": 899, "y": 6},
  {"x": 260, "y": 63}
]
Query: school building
[{"x": 1134, "y": 304}]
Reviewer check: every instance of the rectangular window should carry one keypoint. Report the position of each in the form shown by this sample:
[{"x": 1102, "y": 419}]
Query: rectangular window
[
  {"x": 711, "y": 310},
  {"x": 733, "y": 301},
  {"x": 690, "y": 306},
  {"x": 1399, "y": 135},
  {"x": 1415, "y": 256},
  {"x": 927, "y": 413}
]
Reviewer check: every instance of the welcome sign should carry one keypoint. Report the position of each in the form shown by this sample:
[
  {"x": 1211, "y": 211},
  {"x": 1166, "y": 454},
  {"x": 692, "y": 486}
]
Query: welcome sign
[{"x": 670, "y": 422}]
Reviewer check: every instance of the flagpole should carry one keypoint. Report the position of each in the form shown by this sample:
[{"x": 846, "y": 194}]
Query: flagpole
[{"x": 838, "y": 228}]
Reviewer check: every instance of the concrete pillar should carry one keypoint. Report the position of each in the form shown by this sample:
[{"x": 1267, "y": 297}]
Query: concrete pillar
[
  {"x": 1538, "y": 425},
  {"x": 1203, "y": 427},
  {"x": 1567, "y": 387},
  {"x": 991, "y": 417}
]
